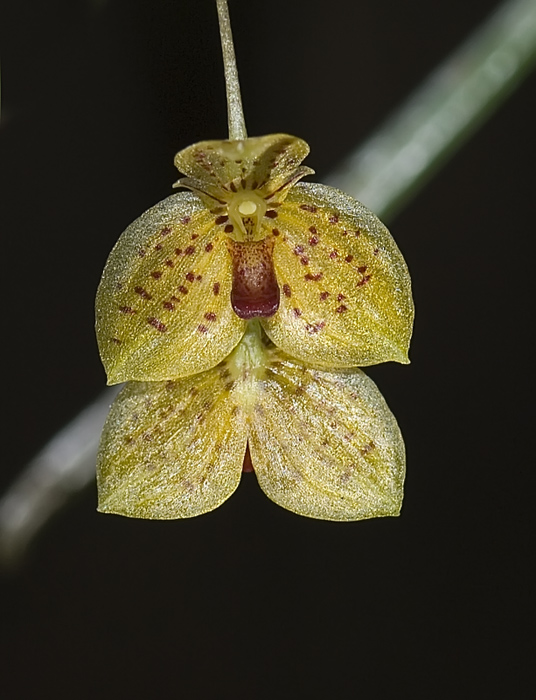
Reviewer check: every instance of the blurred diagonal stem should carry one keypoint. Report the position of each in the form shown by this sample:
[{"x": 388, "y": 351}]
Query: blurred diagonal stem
[
  {"x": 384, "y": 173},
  {"x": 456, "y": 99}
]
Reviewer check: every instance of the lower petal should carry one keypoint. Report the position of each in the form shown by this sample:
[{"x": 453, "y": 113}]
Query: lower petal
[
  {"x": 325, "y": 444},
  {"x": 171, "y": 449}
]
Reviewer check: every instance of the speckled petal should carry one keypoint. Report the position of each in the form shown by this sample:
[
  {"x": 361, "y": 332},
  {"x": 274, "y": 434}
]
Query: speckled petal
[
  {"x": 171, "y": 449},
  {"x": 163, "y": 305},
  {"x": 325, "y": 444},
  {"x": 346, "y": 293},
  {"x": 261, "y": 163}
]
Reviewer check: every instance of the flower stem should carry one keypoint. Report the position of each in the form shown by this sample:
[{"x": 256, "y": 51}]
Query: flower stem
[{"x": 235, "y": 113}]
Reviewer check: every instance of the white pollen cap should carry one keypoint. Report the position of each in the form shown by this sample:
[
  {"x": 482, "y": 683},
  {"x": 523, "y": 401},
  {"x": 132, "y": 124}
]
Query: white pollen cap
[{"x": 247, "y": 207}]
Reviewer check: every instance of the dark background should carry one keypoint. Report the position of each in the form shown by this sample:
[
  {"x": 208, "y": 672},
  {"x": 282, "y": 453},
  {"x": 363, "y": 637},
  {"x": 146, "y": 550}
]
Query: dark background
[{"x": 252, "y": 601}]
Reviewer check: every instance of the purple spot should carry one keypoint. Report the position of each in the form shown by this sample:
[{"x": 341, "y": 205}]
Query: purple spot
[
  {"x": 142, "y": 292},
  {"x": 157, "y": 324}
]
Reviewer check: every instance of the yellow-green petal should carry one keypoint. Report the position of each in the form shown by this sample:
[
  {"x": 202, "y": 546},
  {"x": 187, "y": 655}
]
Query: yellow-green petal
[
  {"x": 346, "y": 292},
  {"x": 262, "y": 163},
  {"x": 171, "y": 449},
  {"x": 162, "y": 307},
  {"x": 325, "y": 444}
]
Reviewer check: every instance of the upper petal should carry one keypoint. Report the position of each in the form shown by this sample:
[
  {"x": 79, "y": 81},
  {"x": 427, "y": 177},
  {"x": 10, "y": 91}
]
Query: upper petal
[
  {"x": 163, "y": 305},
  {"x": 346, "y": 297},
  {"x": 262, "y": 163}
]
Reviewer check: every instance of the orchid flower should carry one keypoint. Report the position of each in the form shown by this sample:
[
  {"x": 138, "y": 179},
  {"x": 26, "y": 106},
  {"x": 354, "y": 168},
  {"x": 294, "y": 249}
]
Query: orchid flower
[{"x": 235, "y": 310}]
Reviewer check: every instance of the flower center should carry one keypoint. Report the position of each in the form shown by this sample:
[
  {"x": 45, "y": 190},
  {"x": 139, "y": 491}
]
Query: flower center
[
  {"x": 246, "y": 210},
  {"x": 247, "y": 207}
]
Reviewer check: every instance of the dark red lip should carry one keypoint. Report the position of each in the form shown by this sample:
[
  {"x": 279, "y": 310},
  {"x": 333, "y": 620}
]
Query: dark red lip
[{"x": 255, "y": 291}]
